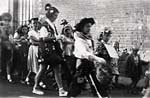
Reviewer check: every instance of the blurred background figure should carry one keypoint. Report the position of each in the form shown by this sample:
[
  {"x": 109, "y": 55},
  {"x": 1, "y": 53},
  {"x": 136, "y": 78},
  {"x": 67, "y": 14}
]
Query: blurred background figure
[
  {"x": 68, "y": 47},
  {"x": 134, "y": 69},
  {"x": 106, "y": 72},
  {"x": 116, "y": 62},
  {"x": 0, "y": 46},
  {"x": 20, "y": 52},
  {"x": 7, "y": 45}
]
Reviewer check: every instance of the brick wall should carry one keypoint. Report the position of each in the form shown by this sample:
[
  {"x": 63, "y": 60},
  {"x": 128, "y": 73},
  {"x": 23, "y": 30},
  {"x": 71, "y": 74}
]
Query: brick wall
[{"x": 129, "y": 19}]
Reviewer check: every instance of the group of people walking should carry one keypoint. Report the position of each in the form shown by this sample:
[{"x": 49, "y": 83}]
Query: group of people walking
[{"x": 38, "y": 47}]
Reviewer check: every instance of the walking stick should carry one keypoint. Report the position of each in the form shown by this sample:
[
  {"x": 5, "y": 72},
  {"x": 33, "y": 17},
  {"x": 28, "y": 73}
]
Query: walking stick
[{"x": 94, "y": 86}]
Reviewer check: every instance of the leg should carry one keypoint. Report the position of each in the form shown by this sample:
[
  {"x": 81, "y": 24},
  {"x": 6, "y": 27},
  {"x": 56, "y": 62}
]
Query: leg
[
  {"x": 146, "y": 86},
  {"x": 58, "y": 78},
  {"x": 37, "y": 79},
  {"x": 75, "y": 87},
  {"x": 0, "y": 57},
  {"x": 102, "y": 89},
  {"x": 8, "y": 69},
  {"x": 9, "y": 65},
  {"x": 27, "y": 78},
  {"x": 66, "y": 75},
  {"x": 78, "y": 79},
  {"x": 3, "y": 62},
  {"x": 133, "y": 85}
]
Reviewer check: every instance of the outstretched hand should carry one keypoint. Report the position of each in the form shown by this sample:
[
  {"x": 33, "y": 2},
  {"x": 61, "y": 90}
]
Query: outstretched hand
[{"x": 100, "y": 60}]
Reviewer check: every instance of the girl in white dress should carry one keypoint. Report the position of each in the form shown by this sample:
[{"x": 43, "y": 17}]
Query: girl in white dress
[{"x": 32, "y": 62}]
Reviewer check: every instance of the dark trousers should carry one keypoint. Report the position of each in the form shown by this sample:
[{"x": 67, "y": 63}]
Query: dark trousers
[
  {"x": 132, "y": 87},
  {"x": 6, "y": 59},
  {"x": 71, "y": 63},
  {"x": 83, "y": 71}
]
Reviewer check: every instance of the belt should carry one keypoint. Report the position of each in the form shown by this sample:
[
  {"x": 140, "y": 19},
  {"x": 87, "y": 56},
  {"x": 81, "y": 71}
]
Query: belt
[{"x": 35, "y": 44}]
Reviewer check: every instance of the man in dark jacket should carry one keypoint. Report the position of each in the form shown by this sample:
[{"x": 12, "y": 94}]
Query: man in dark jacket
[{"x": 134, "y": 68}]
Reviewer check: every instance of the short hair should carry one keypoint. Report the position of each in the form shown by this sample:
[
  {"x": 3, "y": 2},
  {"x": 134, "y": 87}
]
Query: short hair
[
  {"x": 47, "y": 5},
  {"x": 7, "y": 15},
  {"x": 79, "y": 26},
  {"x": 52, "y": 10}
]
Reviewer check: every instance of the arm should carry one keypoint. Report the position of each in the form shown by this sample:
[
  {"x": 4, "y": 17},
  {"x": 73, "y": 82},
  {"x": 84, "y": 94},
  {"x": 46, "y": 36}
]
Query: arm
[
  {"x": 82, "y": 51},
  {"x": 98, "y": 51},
  {"x": 17, "y": 37},
  {"x": 47, "y": 39},
  {"x": 34, "y": 38},
  {"x": 64, "y": 40},
  {"x": 44, "y": 35}
]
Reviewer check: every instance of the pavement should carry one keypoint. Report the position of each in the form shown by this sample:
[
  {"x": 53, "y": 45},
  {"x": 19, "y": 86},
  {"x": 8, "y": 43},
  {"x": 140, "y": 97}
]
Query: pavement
[{"x": 24, "y": 91}]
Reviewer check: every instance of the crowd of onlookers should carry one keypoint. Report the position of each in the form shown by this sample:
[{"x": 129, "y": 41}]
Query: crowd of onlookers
[{"x": 24, "y": 57}]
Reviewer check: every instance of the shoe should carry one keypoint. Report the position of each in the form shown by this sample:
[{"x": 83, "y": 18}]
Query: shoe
[
  {"x": 38, "y": 92},
  {"x": 10, "y": 80},
  {"x": 62, "y": 93},
  {"x": 42, "y": 85},
  {"x": 27, "y": 81},
  {"x": 22, "y": 82}
]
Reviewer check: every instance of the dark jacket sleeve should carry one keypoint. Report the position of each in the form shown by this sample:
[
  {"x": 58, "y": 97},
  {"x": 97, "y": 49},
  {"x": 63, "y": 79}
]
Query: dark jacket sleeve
[{"x": 128, "y": 65}]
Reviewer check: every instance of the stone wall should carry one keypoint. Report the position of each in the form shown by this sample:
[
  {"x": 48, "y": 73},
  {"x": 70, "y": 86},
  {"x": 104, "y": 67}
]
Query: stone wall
[{"x": 129, "y": 19}]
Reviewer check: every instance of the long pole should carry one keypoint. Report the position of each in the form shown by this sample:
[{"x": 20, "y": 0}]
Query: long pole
[{"x": 98, "y": 94}]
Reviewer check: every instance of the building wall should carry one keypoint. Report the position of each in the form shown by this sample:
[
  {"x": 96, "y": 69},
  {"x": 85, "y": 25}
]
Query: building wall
[
  {"x": 25, "y": 11},
  {"x": 129, "y": 19}
]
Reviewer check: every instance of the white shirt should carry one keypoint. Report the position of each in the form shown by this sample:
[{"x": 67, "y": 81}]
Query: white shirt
[
  {"x": 68, "y": 47},
  {"x": 43, "y": 30},
  {"x": 33, "y": 33},
  {"x": 83, "y": 47}
]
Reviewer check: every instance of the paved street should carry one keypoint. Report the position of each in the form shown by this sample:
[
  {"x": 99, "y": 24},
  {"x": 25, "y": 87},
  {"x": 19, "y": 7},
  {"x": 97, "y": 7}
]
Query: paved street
[{"x": 24, "y": 91}]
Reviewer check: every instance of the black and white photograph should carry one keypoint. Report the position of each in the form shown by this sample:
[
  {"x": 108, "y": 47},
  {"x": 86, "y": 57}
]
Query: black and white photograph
[{"x": 74, "y": 48}]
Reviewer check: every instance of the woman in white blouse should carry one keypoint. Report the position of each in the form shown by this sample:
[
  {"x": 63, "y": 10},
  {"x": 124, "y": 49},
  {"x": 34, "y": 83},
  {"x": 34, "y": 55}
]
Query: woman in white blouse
[{"x": 84, "y": 52}]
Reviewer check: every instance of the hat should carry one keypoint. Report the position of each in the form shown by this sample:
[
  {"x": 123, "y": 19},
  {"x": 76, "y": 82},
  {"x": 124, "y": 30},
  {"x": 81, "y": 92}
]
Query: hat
[
  {"x": 47, "y": 6},
  {"x": 66, "y": 27},
  {"x": 64, "y": 22},
  {"x": 107, "y": 31}
]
